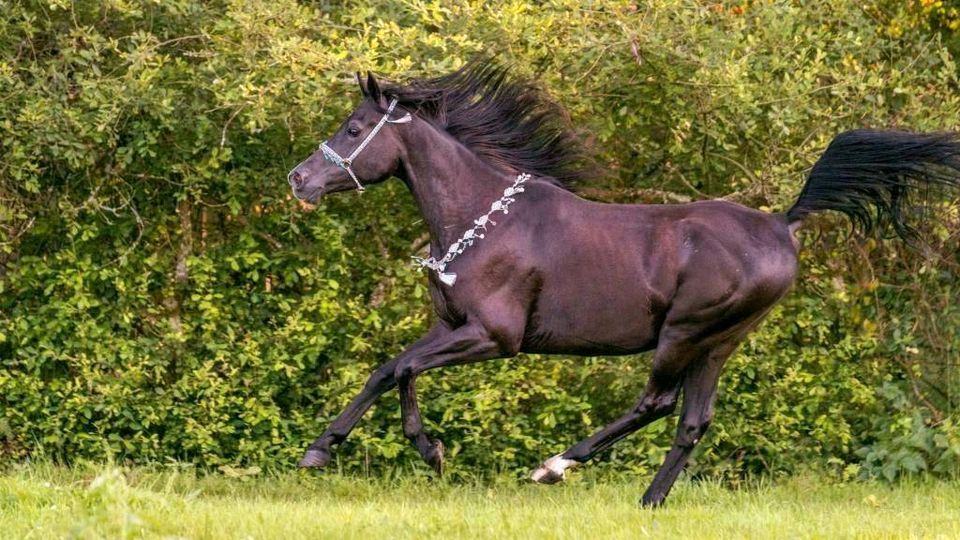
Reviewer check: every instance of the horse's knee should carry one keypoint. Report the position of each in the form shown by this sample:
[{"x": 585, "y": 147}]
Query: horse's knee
[{"x": 403, "y": 372}]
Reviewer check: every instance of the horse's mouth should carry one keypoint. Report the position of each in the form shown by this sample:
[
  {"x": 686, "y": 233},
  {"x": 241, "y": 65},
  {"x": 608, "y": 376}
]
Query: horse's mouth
[{"x": 310, "y": 198}]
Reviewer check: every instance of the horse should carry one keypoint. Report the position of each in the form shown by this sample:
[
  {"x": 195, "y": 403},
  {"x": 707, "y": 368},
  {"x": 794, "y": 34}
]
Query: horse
[{"x": 520, "y": 264}]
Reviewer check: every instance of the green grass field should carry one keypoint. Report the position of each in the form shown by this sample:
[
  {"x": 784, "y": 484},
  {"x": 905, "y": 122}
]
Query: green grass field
[{"x": 109, "y": 502}]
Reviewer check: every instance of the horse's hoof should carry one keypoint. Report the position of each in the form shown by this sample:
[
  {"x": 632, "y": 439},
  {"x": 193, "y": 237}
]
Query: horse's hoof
[
  {"x": 544, "y": 475},
  {"x": 314, "y": 459},
  {"x": 553, "y": 470},
  {"x": 652, "y": 500},
  {"x": 435, "y": 458}
]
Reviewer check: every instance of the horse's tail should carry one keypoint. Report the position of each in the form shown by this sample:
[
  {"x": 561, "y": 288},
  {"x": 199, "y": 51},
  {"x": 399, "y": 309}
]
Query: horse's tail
[{"x": 880, "y": 178}]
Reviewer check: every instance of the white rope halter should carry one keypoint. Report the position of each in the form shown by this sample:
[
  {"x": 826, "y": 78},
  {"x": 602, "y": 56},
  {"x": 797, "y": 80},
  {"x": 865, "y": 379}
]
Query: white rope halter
[{"x": 345, "y": 163}]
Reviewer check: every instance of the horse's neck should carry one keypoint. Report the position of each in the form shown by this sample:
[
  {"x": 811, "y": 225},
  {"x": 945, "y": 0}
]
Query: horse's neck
[{"x": 451, "y": 185}]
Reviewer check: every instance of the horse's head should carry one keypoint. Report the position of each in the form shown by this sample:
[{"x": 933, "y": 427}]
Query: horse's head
[{"x": 362, "y": 152}]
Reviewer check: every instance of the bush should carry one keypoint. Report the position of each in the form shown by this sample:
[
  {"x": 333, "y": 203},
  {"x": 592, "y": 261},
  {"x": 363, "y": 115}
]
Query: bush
[{"x": 163, "y": 297}]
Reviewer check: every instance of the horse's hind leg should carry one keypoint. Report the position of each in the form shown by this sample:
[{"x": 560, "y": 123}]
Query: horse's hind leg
[
  {"x": 658, "y": 400},
  {"x": 699, "y": 394}
]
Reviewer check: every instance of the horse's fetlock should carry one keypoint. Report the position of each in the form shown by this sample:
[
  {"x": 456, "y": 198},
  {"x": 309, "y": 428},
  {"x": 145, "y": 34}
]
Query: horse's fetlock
[{"x": 328, "y": 440}]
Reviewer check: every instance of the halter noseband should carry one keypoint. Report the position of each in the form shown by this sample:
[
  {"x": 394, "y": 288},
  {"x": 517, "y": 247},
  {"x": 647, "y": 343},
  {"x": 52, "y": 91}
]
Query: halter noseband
[{"x": 345, "y": 163}]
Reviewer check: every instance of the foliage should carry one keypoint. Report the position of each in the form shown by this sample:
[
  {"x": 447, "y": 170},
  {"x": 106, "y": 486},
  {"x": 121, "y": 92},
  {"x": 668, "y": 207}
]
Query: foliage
[
  {"x": 910, "y": 445},
  {"x": 163, "y": 297},
  {"x": 937, "y": 15}
]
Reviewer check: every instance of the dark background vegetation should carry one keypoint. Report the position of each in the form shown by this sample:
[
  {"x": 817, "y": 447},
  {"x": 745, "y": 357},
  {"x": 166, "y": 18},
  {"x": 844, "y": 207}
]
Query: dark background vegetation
[{"x": 162, "y": 296}]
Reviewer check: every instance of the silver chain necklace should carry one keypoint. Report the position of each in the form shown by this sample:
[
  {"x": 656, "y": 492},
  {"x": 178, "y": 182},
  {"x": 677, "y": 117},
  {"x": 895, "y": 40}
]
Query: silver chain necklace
[{"x": 473, "y": 234}]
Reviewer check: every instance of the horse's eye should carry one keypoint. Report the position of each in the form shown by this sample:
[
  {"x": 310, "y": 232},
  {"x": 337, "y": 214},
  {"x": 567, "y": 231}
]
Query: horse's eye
[{"x": 353, "y": 132}]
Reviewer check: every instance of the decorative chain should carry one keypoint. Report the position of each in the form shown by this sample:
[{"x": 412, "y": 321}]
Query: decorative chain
[{"x": 473, "y": 234}]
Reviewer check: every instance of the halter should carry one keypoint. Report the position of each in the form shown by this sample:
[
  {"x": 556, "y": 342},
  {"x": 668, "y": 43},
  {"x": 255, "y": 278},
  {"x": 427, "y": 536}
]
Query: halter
[
  {"x": 469, "y": 237},
  {"x": 344, "y": 163}
]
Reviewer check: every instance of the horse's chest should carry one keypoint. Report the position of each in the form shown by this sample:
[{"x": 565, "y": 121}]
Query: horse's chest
[{"x": 444, "y": 303}]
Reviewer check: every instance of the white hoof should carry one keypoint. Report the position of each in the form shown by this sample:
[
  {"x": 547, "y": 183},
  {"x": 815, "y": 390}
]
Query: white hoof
[{"x": 553, "y": 470}]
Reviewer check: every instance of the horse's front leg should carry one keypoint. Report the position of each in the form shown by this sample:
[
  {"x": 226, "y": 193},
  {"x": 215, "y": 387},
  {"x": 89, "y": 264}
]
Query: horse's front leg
[
  {"x": 466, "y": 344},
  {"x": 318, "y": 454}
]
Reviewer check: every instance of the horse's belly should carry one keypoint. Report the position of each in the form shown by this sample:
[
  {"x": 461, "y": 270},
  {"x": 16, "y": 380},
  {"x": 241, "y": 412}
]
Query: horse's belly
[{"x": 595, "y": 320}]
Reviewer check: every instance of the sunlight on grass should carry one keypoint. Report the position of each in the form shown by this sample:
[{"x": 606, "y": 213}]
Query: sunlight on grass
[{"x": 43, "y": 501}]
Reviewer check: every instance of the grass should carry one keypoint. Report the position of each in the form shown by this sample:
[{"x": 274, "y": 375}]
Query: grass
[{"x": 42, "y": 501}]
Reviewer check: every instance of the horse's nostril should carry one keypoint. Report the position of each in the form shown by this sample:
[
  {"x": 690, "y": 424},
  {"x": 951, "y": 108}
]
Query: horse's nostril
[{"x": 294, "y": 178}]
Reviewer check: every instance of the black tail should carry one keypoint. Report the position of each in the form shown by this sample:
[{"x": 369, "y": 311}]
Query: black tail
[{"x": 881, "y": 178}]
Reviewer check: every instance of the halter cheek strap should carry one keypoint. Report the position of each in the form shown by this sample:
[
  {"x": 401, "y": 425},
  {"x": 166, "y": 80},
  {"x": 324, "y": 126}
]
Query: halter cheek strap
[{"x": 345, "y": 163}]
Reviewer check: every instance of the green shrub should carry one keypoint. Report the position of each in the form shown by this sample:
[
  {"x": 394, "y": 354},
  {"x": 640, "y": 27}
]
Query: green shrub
[{"x": 163, "y": 297}]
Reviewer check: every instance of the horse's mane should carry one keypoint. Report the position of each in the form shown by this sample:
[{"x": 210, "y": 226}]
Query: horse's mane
[{"x": 510, "y": 122}]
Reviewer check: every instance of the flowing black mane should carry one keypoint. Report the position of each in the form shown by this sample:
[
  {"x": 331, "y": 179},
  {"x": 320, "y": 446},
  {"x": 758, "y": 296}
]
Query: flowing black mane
[{"x": 510, "y": 122}]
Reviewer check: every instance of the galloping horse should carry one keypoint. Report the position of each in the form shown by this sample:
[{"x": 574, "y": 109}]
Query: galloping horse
[{"x": 519, "y": 263}]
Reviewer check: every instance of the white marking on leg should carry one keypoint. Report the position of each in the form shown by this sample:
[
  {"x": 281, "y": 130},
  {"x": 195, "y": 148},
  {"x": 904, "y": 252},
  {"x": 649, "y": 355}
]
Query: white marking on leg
[{"x": 556, "y": 465}]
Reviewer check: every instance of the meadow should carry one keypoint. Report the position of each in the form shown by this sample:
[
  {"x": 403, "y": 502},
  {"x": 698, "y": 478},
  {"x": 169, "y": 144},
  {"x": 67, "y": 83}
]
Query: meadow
[{"x": 42, "y": 501}]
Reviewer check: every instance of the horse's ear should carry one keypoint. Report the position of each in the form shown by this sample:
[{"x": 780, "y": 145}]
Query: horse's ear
[
  {"x": 373, "y": 88},
  {"x": 363, "y": 89}
]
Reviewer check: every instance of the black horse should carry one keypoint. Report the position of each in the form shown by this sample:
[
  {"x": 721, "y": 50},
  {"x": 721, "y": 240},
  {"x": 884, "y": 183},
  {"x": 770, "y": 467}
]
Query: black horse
[{"x": 521, "y": 264}]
